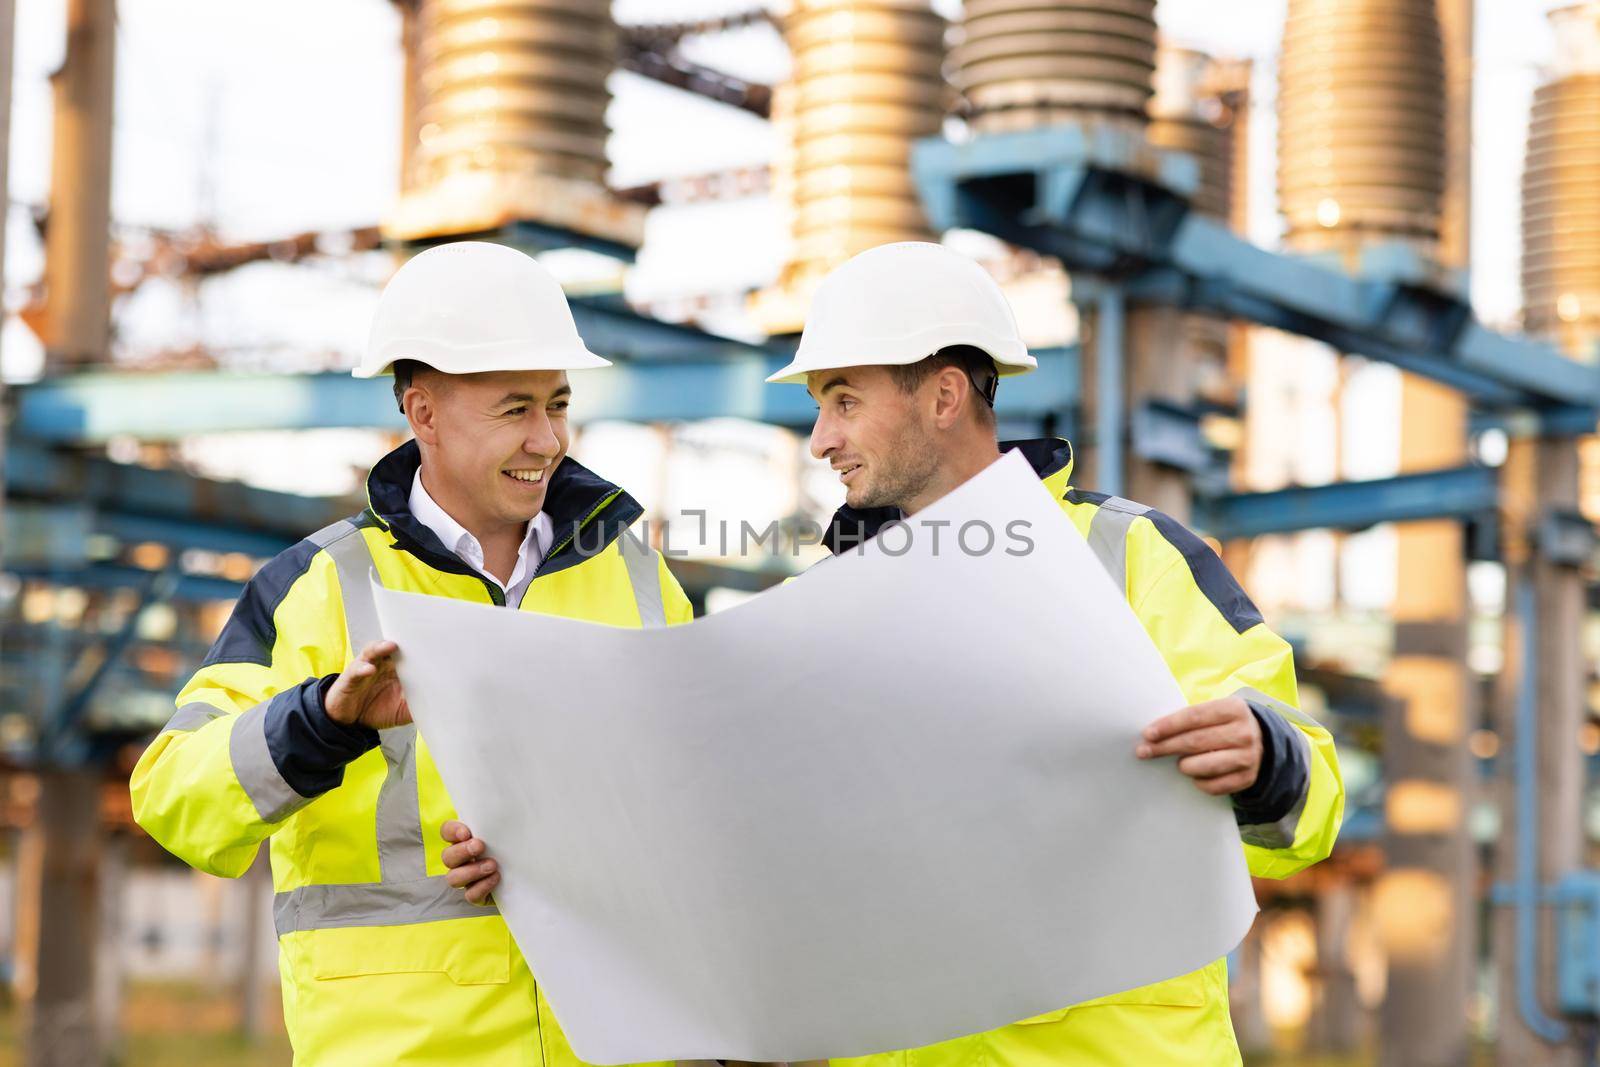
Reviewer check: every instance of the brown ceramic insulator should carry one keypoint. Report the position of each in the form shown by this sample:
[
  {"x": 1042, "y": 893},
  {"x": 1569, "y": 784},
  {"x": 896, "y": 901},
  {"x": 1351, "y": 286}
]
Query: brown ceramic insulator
[
  {"x": 1561, "y": 214},
  {"x": 1361, "y": 112},
  {"x": 866, "y": 85},
  {"x": 1021, "y": 63},
  {"x": 514, "y": 86}
]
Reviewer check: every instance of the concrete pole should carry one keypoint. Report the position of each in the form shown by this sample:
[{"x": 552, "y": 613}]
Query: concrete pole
[
  {"x": 1245, "y": 994},
  {"x": 78, "y": 234},
  {"x": 1336, "y": 1024},
  {"x": 1426, "y": 899},
  {"x": 1539, "y": 475},
  {"x": 58, "y": 870},
  {"x": 109, "y": 972},
  {"x": 1169, "y": 353},
  {"x": 57, "y": 926},
  {"x": 255, "y": 890}
]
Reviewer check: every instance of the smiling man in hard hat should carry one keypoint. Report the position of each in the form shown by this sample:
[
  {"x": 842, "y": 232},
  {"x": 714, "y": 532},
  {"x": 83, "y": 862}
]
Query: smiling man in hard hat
[
  {"x": 295, "y": 729},
  {"x": 902, "y": 351}
]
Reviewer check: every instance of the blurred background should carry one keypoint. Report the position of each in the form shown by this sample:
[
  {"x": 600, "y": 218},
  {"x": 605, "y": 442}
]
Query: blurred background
[{"x": 1319, "y": 277}]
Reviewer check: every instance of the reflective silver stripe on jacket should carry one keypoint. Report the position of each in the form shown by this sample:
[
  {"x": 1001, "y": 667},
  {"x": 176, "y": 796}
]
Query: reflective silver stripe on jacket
[
  {"x": 253, "y": 766},
  {"x": 645, "y": 577},
  {"x": 406, "y": 893},
  {"x": 1108, "y": 537},
  {"x": 192, "y": 717},
  {"x": 401, "y": 903},
  {"x": 401, "y": 852},
  {"x": 1280, "y": 834}
]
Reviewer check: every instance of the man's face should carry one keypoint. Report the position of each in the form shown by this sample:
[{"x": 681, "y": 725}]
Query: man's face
[
  {"x": 497, "y": 438},
  {"x": 873, "y": 434}
]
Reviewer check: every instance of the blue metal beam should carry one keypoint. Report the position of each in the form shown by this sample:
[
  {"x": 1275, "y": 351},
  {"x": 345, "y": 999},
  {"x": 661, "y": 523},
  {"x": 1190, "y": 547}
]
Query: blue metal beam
[
  {"x": 173, "y": 507},
  {"x": 1085, "y": 200},
  {"x": 92, "y": 408},
  {"x": 1459, "y": 493},
  {"x": 609, "y": 326},
  {"x": 190, "y": 587}
]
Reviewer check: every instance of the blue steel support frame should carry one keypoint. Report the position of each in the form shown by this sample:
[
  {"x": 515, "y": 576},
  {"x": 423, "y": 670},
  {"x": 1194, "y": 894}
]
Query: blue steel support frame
[
  {"x": 60, "y": 728},
  {"x": 1527, "y": 888},
  {"x": 1084, "y": 199},
  {"x": 93, "y": 408},
  {"x": 1469, "y": 492}
]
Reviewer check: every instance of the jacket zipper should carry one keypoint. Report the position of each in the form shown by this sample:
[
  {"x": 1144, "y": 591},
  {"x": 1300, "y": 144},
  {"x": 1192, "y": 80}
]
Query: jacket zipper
[{"x": 564, "y": 542}]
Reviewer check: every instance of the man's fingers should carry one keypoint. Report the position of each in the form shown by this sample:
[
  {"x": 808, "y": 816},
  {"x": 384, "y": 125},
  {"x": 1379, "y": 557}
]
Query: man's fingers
[
  {"x": 479, "y": 893},
  {"x": 1205, "y": 739},
  {"x": 465, "y": 852},
  {"x": 378, "y": 650},
  {"x": 472, "y": 872},
  {"x": 1183, "y": 720},
  {"x": 454, "y": 830},
  {"x": 1216, "y": 764},
  {"x": 1226, "y": 785}
]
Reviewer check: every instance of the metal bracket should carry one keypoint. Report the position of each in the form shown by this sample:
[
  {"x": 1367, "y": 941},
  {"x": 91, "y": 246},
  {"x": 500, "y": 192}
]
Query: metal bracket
[
  {"x": 1565, "y": 538},
  {"x": 1169, "y": 434},
  {"x": 1577, "y": 901}
]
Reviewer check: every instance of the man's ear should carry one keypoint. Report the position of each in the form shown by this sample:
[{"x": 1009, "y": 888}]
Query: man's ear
[
  {"x": 952, "y": 392},
  {"x": 422, "y": 412}
]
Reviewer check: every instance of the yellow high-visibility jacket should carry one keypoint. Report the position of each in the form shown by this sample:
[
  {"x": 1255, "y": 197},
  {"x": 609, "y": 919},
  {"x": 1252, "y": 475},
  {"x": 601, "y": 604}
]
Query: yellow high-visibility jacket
[
  {"x": 1216, "y": 645},
  {"x": 382, "y": 962}
]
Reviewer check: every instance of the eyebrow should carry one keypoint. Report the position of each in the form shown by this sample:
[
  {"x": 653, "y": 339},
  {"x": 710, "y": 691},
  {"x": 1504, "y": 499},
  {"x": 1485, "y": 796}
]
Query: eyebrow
[
  {"x": 529, "y": 398},
  {"x": 836, "y": 380}
]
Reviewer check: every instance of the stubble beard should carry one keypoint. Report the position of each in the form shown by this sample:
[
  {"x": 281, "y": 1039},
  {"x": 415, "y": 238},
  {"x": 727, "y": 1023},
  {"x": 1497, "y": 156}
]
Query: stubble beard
[{"x": 909, "y": 465}]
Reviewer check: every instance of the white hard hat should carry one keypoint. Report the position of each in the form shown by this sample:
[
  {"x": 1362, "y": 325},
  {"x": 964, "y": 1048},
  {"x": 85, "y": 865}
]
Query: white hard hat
[
  {"x": 473, "y": 306},
  {"x": 900, "y": 303}
]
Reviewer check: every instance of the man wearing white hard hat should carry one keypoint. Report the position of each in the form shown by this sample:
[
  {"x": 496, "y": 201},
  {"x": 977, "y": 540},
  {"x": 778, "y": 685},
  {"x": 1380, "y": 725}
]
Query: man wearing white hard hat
[
  {"x": 903, "y": 350},
  {"x": 295, "y": 729}
]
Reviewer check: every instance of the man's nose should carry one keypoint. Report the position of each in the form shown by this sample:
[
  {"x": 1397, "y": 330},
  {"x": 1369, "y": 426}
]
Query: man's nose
[
  {"x": 824, "y": 438},
  {"x": 541, "y": 439}
]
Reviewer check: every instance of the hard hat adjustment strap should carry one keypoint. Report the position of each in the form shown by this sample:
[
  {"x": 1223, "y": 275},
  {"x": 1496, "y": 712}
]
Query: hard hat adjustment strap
[{"x": 986, "y": 390}]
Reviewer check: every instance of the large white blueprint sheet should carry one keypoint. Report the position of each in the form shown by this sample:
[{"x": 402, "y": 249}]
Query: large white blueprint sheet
[{"x": 887, "y": 804}]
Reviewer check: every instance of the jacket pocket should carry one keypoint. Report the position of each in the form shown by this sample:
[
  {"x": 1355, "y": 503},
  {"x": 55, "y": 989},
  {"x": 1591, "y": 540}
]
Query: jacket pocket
[
  {"x": 1186, "y": 991},
  {"x": 1191, "y": 990},
  {"x": 473, "y": 951}
]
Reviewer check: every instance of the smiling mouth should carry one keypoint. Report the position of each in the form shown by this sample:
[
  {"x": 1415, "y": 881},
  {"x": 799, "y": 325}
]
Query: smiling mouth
[
  {"x": 846, "y": 471},
  {"x": 526, "y": 477}
]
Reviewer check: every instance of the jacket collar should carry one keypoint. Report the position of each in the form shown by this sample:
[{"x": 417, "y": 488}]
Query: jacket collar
[
  {"x": 1050, "y": 457},
  {"x": 576, "y": 498}
]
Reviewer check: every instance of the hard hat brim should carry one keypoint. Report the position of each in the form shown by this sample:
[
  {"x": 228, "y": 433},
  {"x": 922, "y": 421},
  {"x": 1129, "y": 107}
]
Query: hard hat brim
[
  {"x": 481, "y": 358},
  {"x": 797, "y": 369}
]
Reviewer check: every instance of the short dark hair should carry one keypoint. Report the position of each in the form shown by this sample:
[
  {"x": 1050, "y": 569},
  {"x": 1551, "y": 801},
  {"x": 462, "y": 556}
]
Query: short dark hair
[
  {"x": 975, "y": 362},
  {"x": 404, "y": 371}
]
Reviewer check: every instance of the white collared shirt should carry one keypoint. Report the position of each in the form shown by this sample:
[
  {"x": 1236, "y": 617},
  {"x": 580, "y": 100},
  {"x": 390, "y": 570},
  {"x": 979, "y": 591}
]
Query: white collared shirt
[{"x": 541, "y": 533}]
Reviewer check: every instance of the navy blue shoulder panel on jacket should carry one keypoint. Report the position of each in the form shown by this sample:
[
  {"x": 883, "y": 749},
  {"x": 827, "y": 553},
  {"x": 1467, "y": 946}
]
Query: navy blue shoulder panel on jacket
[
  {"x": 1209, "y": 573},
  {"x": 250, "y": 632}
]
